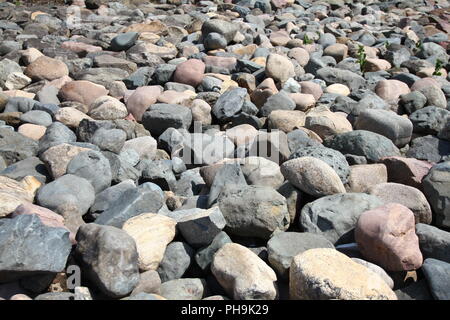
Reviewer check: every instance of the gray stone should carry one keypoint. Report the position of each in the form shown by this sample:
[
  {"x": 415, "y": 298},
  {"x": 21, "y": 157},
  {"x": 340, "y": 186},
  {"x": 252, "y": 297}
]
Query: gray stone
[
  {"x": 227, "y": 29},
  {"x": 214, "y": 41},
  {"x": 184, "y": 289},
  {"x": 92, "y": 166},
  {"x": 412, "y": 101},
  {"x": 429, "y": 148},
  {"x": 227, "y": 174},
  {"x": 109, "y": 258},
  {"x": 437, "y": 274},
  {"x": 15, "y": 146},
  {"x": 436, "y": 187},
  {"x": 434, "y": 243},
  {"x": 229, "y": 104},
  {"x": 429, "y": 120},
  {"x": 335, "y": 75},
  {"x": 56, "y": 133},
  {"x": 435, "y": 96},
  {"x": 253, "y": 211},
  {"x": 204, "y": 256},
  {"x": 335, "y": 216},
  {"x": 41, "y": 118},
  {"x": 333, "y": 158},
  {"x": 28, "y": 248},
  {"x": 177, "y": 259},
  {"x": 109, "y": 140},
  {"x": 278, "y": 101},
  {"x": 28, "y": 167},
  {"x": 124, "y": 41},
  {"x": 149, "y": 282},
  {"x": 129, "y": 204},
  {"x": 106, "y": 198},
  {"x": 199, "y": 227},
  {"x": 161, "y": 116},
  {"x": 372, "y": 146},
  {"x": 67, "y": 191},
  {"x": 158, "y": 172},
  {"x": 387, "y": 123},
  {"x": 284, "y": 246}
]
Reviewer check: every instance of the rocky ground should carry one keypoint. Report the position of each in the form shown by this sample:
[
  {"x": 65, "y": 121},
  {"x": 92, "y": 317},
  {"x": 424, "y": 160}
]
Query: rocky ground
[{"x": 252, "y": 149}]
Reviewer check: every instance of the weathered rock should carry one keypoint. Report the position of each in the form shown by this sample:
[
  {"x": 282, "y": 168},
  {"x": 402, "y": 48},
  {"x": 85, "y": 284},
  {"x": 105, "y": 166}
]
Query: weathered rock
[
  {"x": 152, "y": 233},
  {"x": 386, "y": 236},
  {"x": 28, "y": 247},
  {"x": 109, "y": 258},
  {"x": 243, "y": 274},
  {"x": 437, "y": 274},
  {"x": 323, "y": 274},
  {"x": 434, "y": 243},
  {"x": 177, "y": 259},
  {"x": 253, "y": 211}
]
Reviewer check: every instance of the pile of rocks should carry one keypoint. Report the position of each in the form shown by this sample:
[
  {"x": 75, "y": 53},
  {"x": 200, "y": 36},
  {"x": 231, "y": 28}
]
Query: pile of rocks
[{"x": 245, "y": 149}]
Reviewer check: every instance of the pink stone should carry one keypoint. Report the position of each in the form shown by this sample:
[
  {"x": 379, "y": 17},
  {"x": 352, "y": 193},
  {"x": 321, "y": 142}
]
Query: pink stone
[
  {"x": 408, "y": 171},
  {"x": 310, "y": 87},
  {"x": 386, "y": 236},
  {"x": 141, "y": 99},
  {"x": 425, "y": 82},
  {"x": 80, "y": 47},
  {"x": 82, "y": 91},
  {"x": 190, "y": 72},
  {"x": 32, "y": 131},
  {"x": 223, "y": 62},
  {"x": 391, "y": 90}
]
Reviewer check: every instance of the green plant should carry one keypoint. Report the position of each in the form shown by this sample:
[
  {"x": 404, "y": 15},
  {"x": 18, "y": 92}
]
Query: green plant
[
  {"x": 307, "y": 40},
  {"x": 437, "y": 68},
  {"x": 362, "y": 57},
  {"x": 419, "y": 44}
]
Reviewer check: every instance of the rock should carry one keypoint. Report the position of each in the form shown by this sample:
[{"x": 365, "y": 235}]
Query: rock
[
  {"x": 124, "y": 41},
  {"x": 184, "y": 289},
  {"x": 434, "y": 95},
  {"x": 436, "y": 188},
  {"x": 57, "y": 133},
  {"x": 279, "y": 68},
  {"x": 434, "y": 243},
  {"x": 413, "y": 101},
  {"x": 437, "y": 275},
  {"x": 82, "y": 91},
  {"x": 278, "y": 101},
  {"x": 152, "y": 233},
  {"x": 379, "y": 271},
  {"x": 387, "y": 123},
  {"x": 37, "y": 117},
  {"x": 386, "y": 236},
  {"x": 227, "y": 29},
  {"x": 406, "y": 171},
  {"x": 131, "y": 203},
  {"x": 45, "y": 68},
  {"x": 364, "y": 176},
  {"x": 28, "y": 247},
  {"x": 342, "y": 279},
  {"x": 229, "y": 104},
  {"x": 70, "y": 117},
  {"x": 284, "y": 246},
  {"x": 29, "y": 167},
  {"x": 309, "y": 175},
  {"x": 149, "y": 282},
  {"x": 160, "y": 117},
  {"x": 338, "y": 51},
  {"x": 408, "y": 196},
  {"x": 58, "y": 157},
  {"x": 199, "y": 227},
  {"x": 190, "y": 72},
  {"x": 201, "y": 111},
  {"x": 205, "y": 256},
  {"x": 335, "y": 216},
  {"x": 261, "y": 172},
  {"x": 345, "y": 77},
  {"x": 416, "y": 291},
  {"x": 429, "y": 148},
  {"x": 177, "y": 259},
  {"x": 15, "y": 146},
  {"x": 107, "y": 108},
  {"x": 243, "y": 275},
  {"x": 253, "y": 211},
  {"x": 145, "y": 147},
  {"x": 371, "y": 145},
  {"x": 109, "y": 258},
  {"x": 92, "y": 166},
  {"x": 109, "y": 140},
  {"x": 429, "y": 120},
  {"x": 66, "y": 191},
  {"x": 141, "y": 99},
  {"x": 337, "y": 88},
  {"x": 330, "y": 156},
  {"x": 214, "y": 41}
]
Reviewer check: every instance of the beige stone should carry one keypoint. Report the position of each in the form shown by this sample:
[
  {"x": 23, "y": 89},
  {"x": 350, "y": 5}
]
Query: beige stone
[
  {"x": 324, "y": 274},
  {"x": 58, "y": 157},
  {"x": 152, "y": 233}
]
